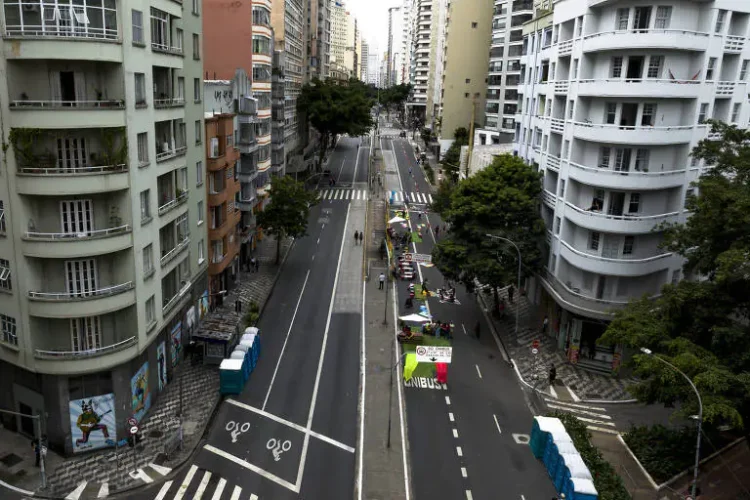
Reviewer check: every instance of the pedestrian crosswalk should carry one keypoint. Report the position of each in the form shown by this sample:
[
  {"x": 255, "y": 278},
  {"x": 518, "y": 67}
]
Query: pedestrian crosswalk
[
  {"x": 595, "y": 417},
  {"x": 414, "y": 197},
  {"x": 200, "y": 484},
  {"x": 343, "y": 194}
]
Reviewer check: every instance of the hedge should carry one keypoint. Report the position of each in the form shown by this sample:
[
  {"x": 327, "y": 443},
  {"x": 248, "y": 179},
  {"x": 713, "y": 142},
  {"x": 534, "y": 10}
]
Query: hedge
[
  {"x": 430, "y": 173},
  {"x": 608, "y": 484}
]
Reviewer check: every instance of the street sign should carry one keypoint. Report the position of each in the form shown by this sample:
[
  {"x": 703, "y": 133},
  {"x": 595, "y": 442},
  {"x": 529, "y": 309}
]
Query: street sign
[
  {"x": 434, "y": 354},
  {"x": 132, "y": 421},
  {"x": 134, "y": 430},
  {"x": 418, "y": 257},
  {"x": 535, "y": 344},
  {"x": 535, "y": 351}
]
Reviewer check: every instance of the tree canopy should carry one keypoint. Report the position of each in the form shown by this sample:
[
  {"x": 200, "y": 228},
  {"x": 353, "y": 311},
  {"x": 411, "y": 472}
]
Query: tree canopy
[
  {"x": 333, "y": 107},
  {"x": 288, "y": 210},
  {"x": 502, "y": 199},
  {"x": 701, "y": 325},
  {"x": 452, "y": 157},
  {"x": 394, "y": 97}
]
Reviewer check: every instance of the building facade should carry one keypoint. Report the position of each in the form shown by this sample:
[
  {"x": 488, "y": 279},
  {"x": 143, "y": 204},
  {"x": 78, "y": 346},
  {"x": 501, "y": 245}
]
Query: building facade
[
  {"x": 364, "y": 59},
  {"x": 101, "y": 270},
  {"x": 611, "y": 108},
  {"x": 278, "y": 114},
  {"x": 318, "y": 38}
]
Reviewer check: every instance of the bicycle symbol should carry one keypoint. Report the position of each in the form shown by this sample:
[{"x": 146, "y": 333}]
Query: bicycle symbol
[
  {"x": 235, "y": 429},
  {"x": 277, "y": 447}
]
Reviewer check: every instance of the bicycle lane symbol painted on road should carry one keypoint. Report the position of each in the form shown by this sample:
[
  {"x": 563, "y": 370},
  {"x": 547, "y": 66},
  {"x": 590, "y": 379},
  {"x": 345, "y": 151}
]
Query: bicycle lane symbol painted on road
[
  {"x": 235, "y": 429},
  {"x": 277, "y": 447}
]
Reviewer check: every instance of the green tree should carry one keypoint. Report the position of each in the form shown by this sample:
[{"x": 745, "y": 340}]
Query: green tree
[
  {"x": 452, "y": 157},
  {"x": 288, "y": 210},
  {"x": 333, "y": 108},
  {"x": 701, "y": 325},
  {"x": 501, "y": 199},
  {"x": 441, "y": 202}
]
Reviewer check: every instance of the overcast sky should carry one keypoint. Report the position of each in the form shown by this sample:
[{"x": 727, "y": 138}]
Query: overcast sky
[{"x": 372, "y": 18}]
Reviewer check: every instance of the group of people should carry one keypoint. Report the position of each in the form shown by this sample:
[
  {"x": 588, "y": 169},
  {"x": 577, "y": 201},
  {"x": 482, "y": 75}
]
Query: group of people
[
  {"x": 359, "y": 237},
  {"x": 436, "y": 328}
]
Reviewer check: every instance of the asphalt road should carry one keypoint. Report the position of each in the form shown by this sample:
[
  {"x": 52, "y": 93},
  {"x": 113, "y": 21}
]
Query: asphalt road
[
  {"x": 292, "y": 432},
  {"x": 464, "y": 438}
]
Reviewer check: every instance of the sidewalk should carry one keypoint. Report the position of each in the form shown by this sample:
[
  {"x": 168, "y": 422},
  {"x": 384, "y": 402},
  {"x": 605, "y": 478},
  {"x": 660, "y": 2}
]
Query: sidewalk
[
  {"x": 534, "y": 368},
  {"x": 615, "y": 452},
  {"x": 382, "y": 467},
  {"x": 115, "y": 471}
]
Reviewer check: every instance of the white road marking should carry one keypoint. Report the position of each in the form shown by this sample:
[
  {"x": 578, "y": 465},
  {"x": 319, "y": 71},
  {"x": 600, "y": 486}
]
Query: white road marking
[
  {"x": 362, "y": 364},
  {"x": 76, "y": 493},
  {"x": 160, "y": 469},
  {"x": 103, "y": 490},
  {"x": 459, "y": 451},
  {"x": 478, "y": 372},
  {"x": 236, "y": 493},
  {"x": 464, "y": 328},
  {"x": 576, "y": 410},
  {"x": 468, "y": 495},
  {"x": 552, "y": 391},
  {"x": 219, "y": 489},
  {"x": 294, "y": 426},
  {"x": 573, "y": 394},
  {"x": 253, "y": 497},
  {"x": 447, "y": 400},
  {"x": 202, "y": 486},
  {"x": 140, "y": 474},
  {"x": 242, "y": 463},
  {"x": 316, "y": 386},
  {"x": 497, "y": 424},
  {"x": 429, "y": 197},
  {"x": 186, "y": 482},
  {"x": 163, "y": 491},
  {"x": 523, "y": 497},
  {"x": 463, "y": 472},
  {"x": 450, "y": 417},
  {"x": 593, "y": 421},
  {"x": 455, "y": 433},
  {"x": 318, "y": 242},
  {"x": 574, "y": 405},
  {"x": 600, "y": 429},
  {"x": 341, "y": 169},
  {"x": 286, "y": 339}
]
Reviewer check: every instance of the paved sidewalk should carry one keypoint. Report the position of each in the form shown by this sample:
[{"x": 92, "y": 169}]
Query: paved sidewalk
[{"x": 113, "y": 471}]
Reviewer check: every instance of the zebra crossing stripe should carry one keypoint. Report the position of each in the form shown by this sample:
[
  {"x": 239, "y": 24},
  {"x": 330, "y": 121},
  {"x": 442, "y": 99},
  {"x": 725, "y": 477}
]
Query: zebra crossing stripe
[
  {"x": 582, "y": 412},
  {"x": 163, "y": 491},
  {"x": 236, "y": 493},
  {"x": 574, "y": 405},
  {"x": 219, "y": 489},
  {"x": 186, "y": 483},
  {"x": 202, "y": 486}
]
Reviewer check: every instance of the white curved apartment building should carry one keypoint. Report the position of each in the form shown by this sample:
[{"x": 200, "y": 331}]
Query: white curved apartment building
[
  {"x": 261, "y": 86},
  {"x": 613, "y": 100}
]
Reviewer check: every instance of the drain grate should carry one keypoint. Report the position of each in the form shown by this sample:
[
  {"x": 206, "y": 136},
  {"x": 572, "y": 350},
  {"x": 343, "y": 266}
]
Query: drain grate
[{"x": 10, "y": 460}]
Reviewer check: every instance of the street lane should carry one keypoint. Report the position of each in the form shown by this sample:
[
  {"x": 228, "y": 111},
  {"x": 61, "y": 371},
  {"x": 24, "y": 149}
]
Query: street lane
[{"x": 493, "y": 462}]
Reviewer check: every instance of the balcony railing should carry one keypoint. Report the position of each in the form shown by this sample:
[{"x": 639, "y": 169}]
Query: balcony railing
[
  {"x": 51, "y": 31},
  {"x": 169, "y": 102},
  {"x": 549, "y": 198},
  {"x": 656, "y": 218},
  {"x": 83, "y": 295},
  {"x": 171, "y": 153},
  {"x": 171, "y": 302},
  {"x": 177, "y": 200},
  {"x": 622, "y": 259},
  {"x": 734, "y": 43},
  {"x": 98, "y": 233},
  {"x": 93, "y": 170},
  {"x": 569, "y": 289},
  {"x": 170, "y": 255},
  {"x": 50, "y": 104},
  {"x": 98, "y": 351},
  {"x": 166, "y": 49},
  {"x": 639, "y": 173}
]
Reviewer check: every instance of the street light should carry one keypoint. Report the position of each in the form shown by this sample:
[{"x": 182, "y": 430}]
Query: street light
[
  {"x": 648, "y": 352},
  {"x": 390, "y": 394},
  {"x": 519, "y": 267}
]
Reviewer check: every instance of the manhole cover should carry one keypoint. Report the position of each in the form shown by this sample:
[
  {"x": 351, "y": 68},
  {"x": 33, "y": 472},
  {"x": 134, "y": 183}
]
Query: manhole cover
[
  {"x": 10, "y": 460},
  {"x": 155, "y": 434}
]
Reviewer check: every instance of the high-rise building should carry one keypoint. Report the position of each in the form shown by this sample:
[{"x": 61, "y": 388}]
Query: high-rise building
[
  {"x": 318, "y": 38},
  {"x": 339, "y": 17},
  {"x": 463, "y": 78},
  {"x": 351, "y": 52},
  {"x": 364, "y": 62},
  {"x": 611, "y": 109},
  {"x": 407, "y": 39},
  {"x": 394, "y": 51},
  {"x": 278, "y": 111},
  {"x": 101, "y": 209}
]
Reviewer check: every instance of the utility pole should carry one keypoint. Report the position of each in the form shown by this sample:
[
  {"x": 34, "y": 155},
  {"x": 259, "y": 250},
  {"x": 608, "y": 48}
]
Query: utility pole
[{"x": 471, "y": 136}]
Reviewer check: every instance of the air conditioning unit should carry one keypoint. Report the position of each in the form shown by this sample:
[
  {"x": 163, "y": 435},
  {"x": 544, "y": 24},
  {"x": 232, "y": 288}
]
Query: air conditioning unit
[{"x": 30, "y": 7}]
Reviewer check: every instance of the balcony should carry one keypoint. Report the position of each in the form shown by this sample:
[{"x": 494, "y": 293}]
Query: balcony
[
  {"x": 624, "y": 224},
  {"x": 695, "y": 41},
  {"x": 221, "y": 262},
  {"x": 165, "y": 48},
  {"x": 170, "y": 204},
  {"x": 88, "y": 353},
  {"x": 561, "y": 86},
  {"x": 579, "y": 302},
  {"x": 66, "y": 26},
  {"x": 96, "y": 302},
  {"x": 61, "y": 245},
  {"x": 169, "y": 102},
  {"x": 549, "y": 198},
  {"x": 725, "y": 89},
  {"x": 170, "y": 139},
  {"x": 734, "y": 43},
  {"x": 51, "y": 181},
  {"x": 657, "y": 88},
  {"x": 622, "y": 134},
  {"x": 169, "y": 255},
  {"x": 631, "y": 180},
  {"x": 615, "y": 267},
  {"x": 169, "y": 303}
]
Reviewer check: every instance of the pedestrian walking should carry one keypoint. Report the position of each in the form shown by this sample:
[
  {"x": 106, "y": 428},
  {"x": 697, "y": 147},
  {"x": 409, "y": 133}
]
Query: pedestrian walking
[
  {"x": 437, "y": 231},
  {"x": 409, "y": 170},
  {"x": 252, "y": 263},
  {"x": 552, "y": 374},
  {"x": 381, "y": 278},
  {"x": 361, "y": 237},
  {"x": 545, "y": 325},
  {"x": 356, "y": 237},
  {"x": 37, "y": 451},
  {"x": 477, "y": 330},
  {"x": 510, "y": 294},
  {"x": 257, "y": 265}
]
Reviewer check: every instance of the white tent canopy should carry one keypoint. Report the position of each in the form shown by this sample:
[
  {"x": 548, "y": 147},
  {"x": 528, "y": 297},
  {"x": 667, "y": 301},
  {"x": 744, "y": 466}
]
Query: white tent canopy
[
  {"x": 415, "y": 318},
  {"x": 396, "y": 219}
]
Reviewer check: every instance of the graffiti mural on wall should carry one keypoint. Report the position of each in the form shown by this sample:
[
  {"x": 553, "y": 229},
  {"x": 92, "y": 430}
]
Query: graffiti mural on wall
[
  {"x": 176, "y": 343},
  {"x": 161, "y": 365},
  {"x": 92, "y": 422},
  {"x": 203, "y": 305},
  {"x": 140, "y": 393}
]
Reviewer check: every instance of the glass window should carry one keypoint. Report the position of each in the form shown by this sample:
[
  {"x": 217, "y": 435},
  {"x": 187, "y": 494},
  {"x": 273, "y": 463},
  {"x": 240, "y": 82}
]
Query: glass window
[
  {"x": 654, "y": 66},
  {"x": 150, "y": 310},
  {"x": 148, "y": 258},
  {"x": 198, "y": 132},
  {"x": 140, "y": 89},
  {"x": 145, "y": 205},
  {"x": 142, "y": 149},
  {"x": 5, "y": 281},
  {"x": 196, "y": 7},
  {"x": 196, "y": 46},
  {"x": 743, "y": 69},
  {"x": 648, "y": 118},
  {"x": 688, "y": 195},
  {"x": 137, "y": 16},
  {"x": 558, "y": 222},
  {"x": 720, "y": 18},
  {"x": 200, "y": 213},
  {"x": 736, "y": 108},
  {"x": 594, "y": 237},
  {"x": 710, "y": 68},
  {"x": 199, "y": 173},
  {"x": 197, "y": 90},
  {"x": 623, "y": 16},
  {"x": 703, "y": 112},
  {"x": 641, "y": 159},
  {"x": 605, "y": 153},
  {"x": 616, "y": 68},
  {"x": 663, "y": 16},
  {"x": 635, "y": 203},
  {"x": 610, "y": 114},
  {"x": 627, "y": 246},
  {"x": 8, "y": 327}
]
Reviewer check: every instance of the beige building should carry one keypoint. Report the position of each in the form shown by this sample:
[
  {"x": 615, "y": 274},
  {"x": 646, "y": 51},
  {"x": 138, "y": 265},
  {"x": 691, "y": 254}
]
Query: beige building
[{"x": 464, "y": 66}]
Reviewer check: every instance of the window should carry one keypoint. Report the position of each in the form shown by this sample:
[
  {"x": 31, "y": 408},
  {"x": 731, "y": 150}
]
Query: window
[
  {"x": 177, "y": 42},
  {"x": 181, "y": 88},
  {"x": 720, "y": 18},
  {"x": 199, "y": 173},
  {"x": 703, "y": 112},
  {"x": 468, "y": 80},
  {"x": 137, "y": 17},
  {"x": 159, "y": 29},
  {"x": 579, "y": 26},
  {"x": 140, "y": 90},
  {"x": 594, "y": 237},
  {"x": 5, "y": 282},
  {"x": 2, "y": 217},
  {"x": 198, "y": 132},
  {"x": 676, "y": 276},
  {"x": 196, "y": 7},
  {"x": 605, "y": 153},
  {"x": 616, "y": 67},
  {"x": 710, "y": 68},
  {"x": 575, "y": 69},
  {"x": 145, "y": 206},
  {"x": 663, "y": 15},
  {"x": 562, "y": 188},
  {"x": 8, "y": 327},
  {"x": 610, "y": 113},
  {"x": 201, "y": 251},
  {"x": 148, "y": 259},
  {"x": 571, "y": 104},
  {"x": 200, "y": 213},
  {"x": 142, "y": 149},
  {"x": 648, "y": 118},
  {"x": 622, "y": 159},
  {"x": 85, "y": 334},
  {"x": 623, "y": 16},
  {"x": 466, "y": 94},
  {"x": 743, "y": 69},
  {"x": 474, "y": 25},
  {"x": 196, "y": 46},
  {"x": 150, "y": 310},
  {"x": 641, "y": 159},
  {"x": 635, "y": 203},
  {"x": 654, "y": 66},
  {"x": 558, "y": 222},
  {"x": 688, "y": 195},
  {"x": 197, "y": 90},
  {"x": 736, "y": 112},
  {"x": 627, "y": 246}
]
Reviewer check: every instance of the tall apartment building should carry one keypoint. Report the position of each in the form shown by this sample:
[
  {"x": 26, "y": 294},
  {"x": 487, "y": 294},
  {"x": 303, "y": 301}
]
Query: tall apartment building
[
  {"x": 364, "y": 58},
  {"x": 504, "y": 71},
  {"x": 463, "y": 85},
  {"x": 278, "y": 112},
  {"x": 339, "y": 38},
  {"x": 102, "y": 204},
  {"x": 351, "y": 54},
  {"x": 318, "y": 38},
  {"x": 394, "y": 51},
  {"x": 407, "y": 45},
  {"x": 614, "y": 99}
]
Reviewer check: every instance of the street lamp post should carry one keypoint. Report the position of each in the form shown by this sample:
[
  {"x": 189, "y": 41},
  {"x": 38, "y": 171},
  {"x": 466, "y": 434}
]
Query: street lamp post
[
  {"x": 495, "y": 237},
  {"x": 390, "y": 395},
  {"x": 693, "y": 490}
]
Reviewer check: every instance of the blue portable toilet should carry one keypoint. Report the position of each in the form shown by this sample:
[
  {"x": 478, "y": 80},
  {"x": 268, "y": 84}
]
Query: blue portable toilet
[
  {"x": 252, "y": 356},
  {"x": 540, "y": 431},
  {"x": 251, "y": 330},
  {"x": 580, "y": 489},
  {"x": 555, "y": 437},
  {"x": 231, "y": 377},
  {"x": 240, "y": 354},
  {"x": 560, "y": 449},
  {"x": 574, "y": 467}
]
